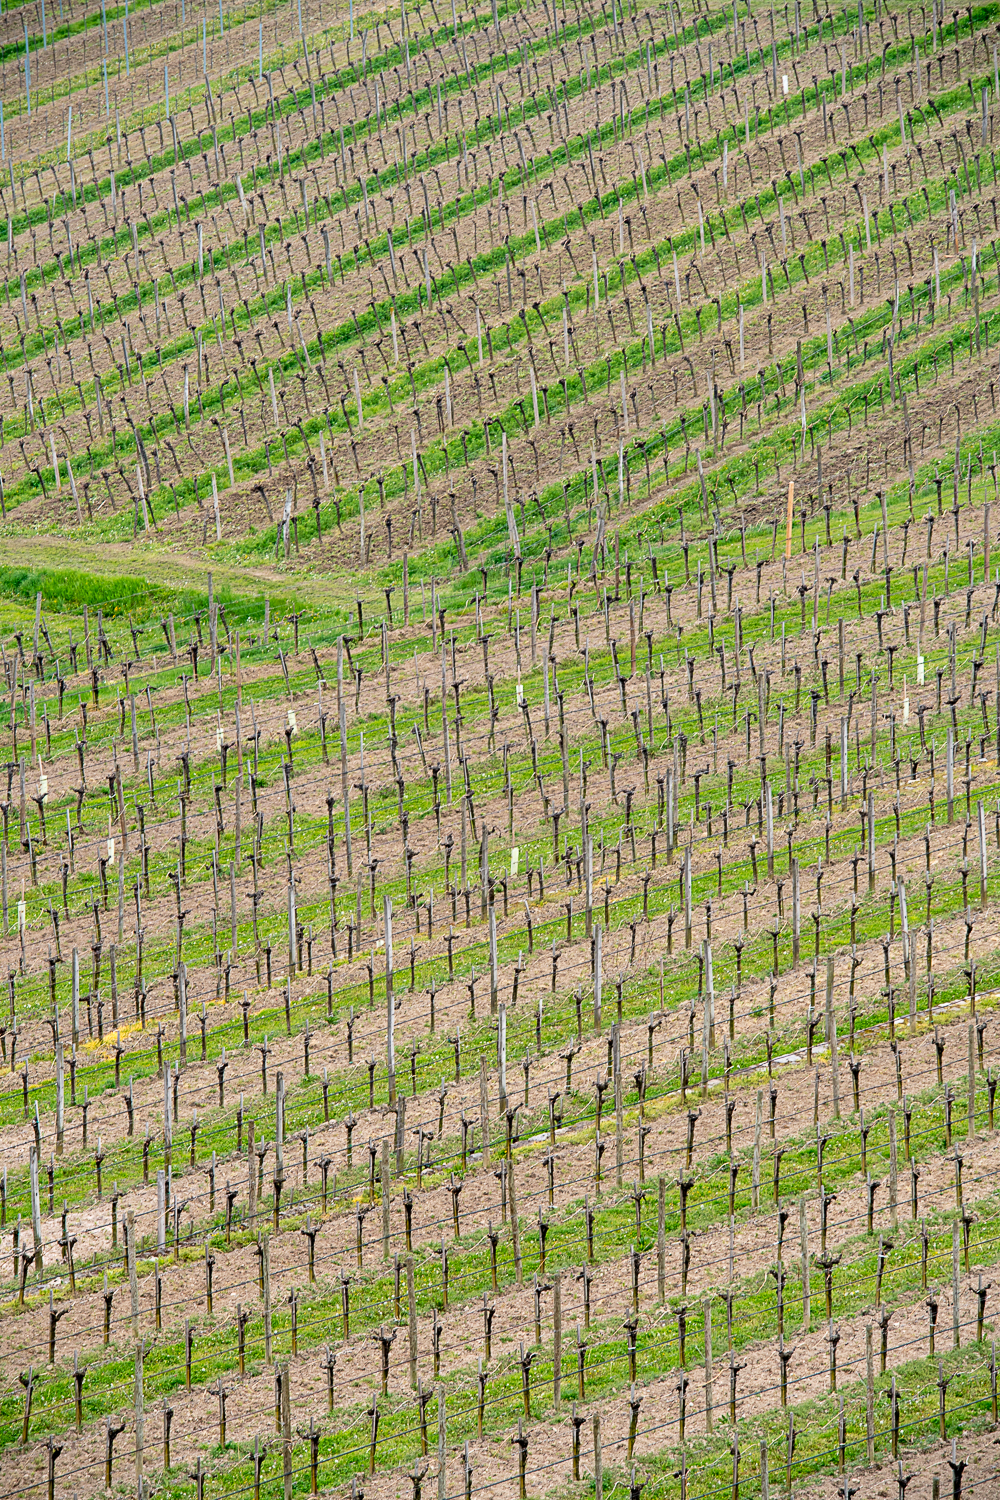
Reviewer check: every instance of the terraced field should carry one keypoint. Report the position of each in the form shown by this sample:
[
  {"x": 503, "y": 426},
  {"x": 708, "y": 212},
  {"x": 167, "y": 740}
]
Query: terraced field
[{"x": 501, "y": 823}]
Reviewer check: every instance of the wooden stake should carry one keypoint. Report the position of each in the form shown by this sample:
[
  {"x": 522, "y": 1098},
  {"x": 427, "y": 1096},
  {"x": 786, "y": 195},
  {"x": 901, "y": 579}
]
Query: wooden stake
[
  {"x": 598, "y": 1464},
  {"x": 251, "y": 1172},
  {"x": 493, "y": 958},
  {"x": 597, "y": 979},
  {"x": 411, "y": 1301},
  {"x": 345, "y": 792},
  {"x": 869, "y": 1395},
  {"x": 788, "y": 519},
  {"x": 60, "y": 1099},
  {"x": 400, "y": 1131},
  {"x": 286, "y": 1427},
  {"x": 687, "y": 897},
  {"x": 390, "y": 1035},
  {"x": 36, "y": 1213},
  {"x": 661, "y": 1241},
  {"x": 484, "y": 1110},
  {"x": 831, "y": 1024},
  {"x": 955, "y": 1235},
  {"x": 265, "y": 1246},
  {"x": 804, "y": 1238},
  {"x": 75, "y": 997},
  {"x": 279, "y": 1132},
  {"x": 619, "y": 1107},
  {"x": 708, "y": 1365},
  {"x": 515, "y": 1229},
  {"x": 161, "y": 1212},
  {"x": 133, "y": 1278},
  {"x": 442, "y": 1444},
  {"x": 140, "y": 1421},
  {"x": 556, "y": 1339}
]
